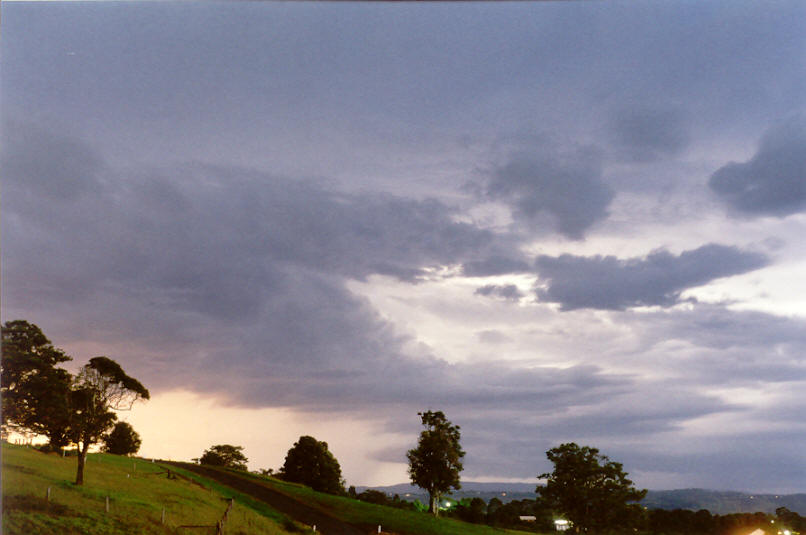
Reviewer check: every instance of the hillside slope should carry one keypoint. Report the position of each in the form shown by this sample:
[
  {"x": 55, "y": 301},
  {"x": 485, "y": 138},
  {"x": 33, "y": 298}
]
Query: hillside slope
[
  {"x": 137, "y": 490},
  {"x": 365, "y": 517}
]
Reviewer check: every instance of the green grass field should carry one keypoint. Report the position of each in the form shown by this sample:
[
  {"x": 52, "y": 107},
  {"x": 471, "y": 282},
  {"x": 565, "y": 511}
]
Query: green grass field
[
  {"x": 137, "y": 496},
  {"x": 370, "y": 515},
  {"x": 138, "y": 491}
]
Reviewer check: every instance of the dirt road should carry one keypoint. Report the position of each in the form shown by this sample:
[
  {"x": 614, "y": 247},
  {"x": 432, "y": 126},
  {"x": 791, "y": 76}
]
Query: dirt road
[{"x": 306, "y": 514}]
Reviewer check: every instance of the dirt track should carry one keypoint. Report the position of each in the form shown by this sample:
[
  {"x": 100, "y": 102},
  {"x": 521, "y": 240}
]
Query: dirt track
[{"x": 297, "y": 510}]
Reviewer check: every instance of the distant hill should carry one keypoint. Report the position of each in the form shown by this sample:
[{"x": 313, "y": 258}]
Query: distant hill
[
  {"x": 724, "y": 502},
  {"x": 717, "y": 502}
]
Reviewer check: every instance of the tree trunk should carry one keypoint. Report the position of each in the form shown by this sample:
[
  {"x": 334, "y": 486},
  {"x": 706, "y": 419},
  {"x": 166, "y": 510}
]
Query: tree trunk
[
  {"x": 433, "y": 503},
  {"x": 82, "y": 457}
]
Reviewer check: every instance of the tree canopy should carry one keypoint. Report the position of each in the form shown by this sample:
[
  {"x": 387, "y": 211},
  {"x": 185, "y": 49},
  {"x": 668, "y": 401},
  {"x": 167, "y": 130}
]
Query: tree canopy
[
  {"x": 39, "y": 397},
  {"x": 100, "y": 387},
  {"x": 122, "y": 440},
  {"x": 311, "y": 463},
  {"x": 225, "y": 455},
  {"x": 435, "y": 463},
  {"x": 34, "y": 391},
  {"x": 589, "y": 489}
]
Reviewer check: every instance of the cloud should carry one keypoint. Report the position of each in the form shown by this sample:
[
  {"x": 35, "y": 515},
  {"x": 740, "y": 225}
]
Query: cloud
[
  {"x": 241, "y": 277},
  {"x": 719, "y": 346},
  {"x": 492, "y": 336},
  {"x": 238, "y": 284},
  {"x": 647, "y": 134},
  {"x": 507, "y": 291},
  {"x": 494, "y": 265},
  {"x": 773, "y": 181},
  {"x": 606, "y": 282},
  {"x": 45, "y": 165},
  {"x": 567, "y": 187}
]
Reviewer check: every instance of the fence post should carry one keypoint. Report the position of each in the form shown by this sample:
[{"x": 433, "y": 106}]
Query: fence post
[
  {"x": 107, "y": 504},
  {"x": 163, "y": 516},
  {"x": 379, "y": 528},
  {"x": 48, "y": 494}
]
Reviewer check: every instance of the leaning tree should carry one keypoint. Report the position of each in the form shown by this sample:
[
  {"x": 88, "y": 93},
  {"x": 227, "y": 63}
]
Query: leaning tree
[
  {"x": 101, "y": 387},
  {"x": 435, "y": 463}
]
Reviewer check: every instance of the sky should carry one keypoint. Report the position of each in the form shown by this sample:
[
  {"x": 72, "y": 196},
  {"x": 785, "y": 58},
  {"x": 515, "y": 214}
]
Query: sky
[{"x": 553, "y": 221}]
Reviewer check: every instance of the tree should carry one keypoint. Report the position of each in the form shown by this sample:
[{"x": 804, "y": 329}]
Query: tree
[
  {"x": 122, "y": 440},
  {"x": 589, "y": 489},
  {"x": 225, "y": 455},
  {"x": 435, "y": 463},
  {"x": 34, "y": 392},
  {"x": 100, "y": 388},
  {"x": 310, "y": 462}
]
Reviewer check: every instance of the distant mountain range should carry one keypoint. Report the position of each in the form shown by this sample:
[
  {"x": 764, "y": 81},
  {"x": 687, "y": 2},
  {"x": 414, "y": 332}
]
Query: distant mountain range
[{"x": 715, "y": 501}]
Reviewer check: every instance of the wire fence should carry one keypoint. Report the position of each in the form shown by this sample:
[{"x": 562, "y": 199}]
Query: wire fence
[{"x": 218, "y": 528}]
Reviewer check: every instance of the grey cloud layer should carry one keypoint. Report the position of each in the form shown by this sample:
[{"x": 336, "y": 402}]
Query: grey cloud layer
[
  {"x": 658, "y": 279},
  {"x": 773, "y": 181},
  {"x": 240, "y": 277},
  {"x": 566, "y": 187},
  {"x": 235, "y": 282},
  {"x": 646, "y": 134},
  {"x": 248, "y": 274}
]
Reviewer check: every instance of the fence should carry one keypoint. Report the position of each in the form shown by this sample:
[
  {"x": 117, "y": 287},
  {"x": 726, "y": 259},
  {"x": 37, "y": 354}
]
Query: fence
[{"x": 217, "y": 528}]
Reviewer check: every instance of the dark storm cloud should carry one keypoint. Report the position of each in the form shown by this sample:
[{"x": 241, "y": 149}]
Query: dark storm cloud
[
  {"x": 210, "y": 239},
  {"x": 507, "y": 291},
  {"x": 241, "y": 277},
  {"x": 773, "y": 181},
  {"x": 606, "y": 282},
  {"x": 566, "y": 187},
  {"x": 236, "y": 283},
  {"x": 646, "y": 134},
  {"x": 494, "y": 265}
]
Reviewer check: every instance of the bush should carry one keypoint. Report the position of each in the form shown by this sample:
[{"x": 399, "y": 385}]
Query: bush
[{"x": 122, "y": 440}]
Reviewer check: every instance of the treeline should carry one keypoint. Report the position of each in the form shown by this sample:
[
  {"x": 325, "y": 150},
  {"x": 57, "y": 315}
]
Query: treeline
[
  {"x": 511, "y": 515},
  {"x": 682, "y": 521},
  {"x": 653, "y": 521}
]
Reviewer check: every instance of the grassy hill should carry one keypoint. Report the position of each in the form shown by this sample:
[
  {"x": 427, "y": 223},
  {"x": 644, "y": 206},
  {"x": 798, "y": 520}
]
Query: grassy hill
[
  {"x": 138, "y": 492},
  {"x": 369, "y": 516}
]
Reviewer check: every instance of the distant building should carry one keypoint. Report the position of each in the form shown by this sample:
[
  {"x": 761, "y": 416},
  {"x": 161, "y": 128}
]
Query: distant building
[
  {"x": 562, "y": 525},
  {"x": 527, "y": 518}
]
